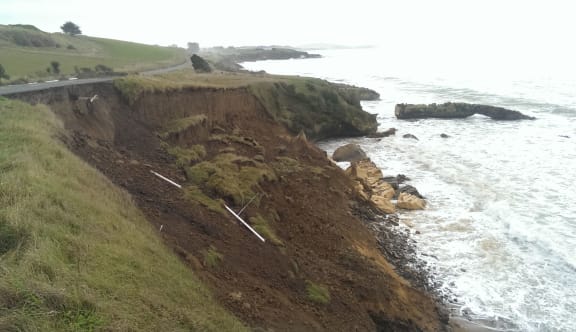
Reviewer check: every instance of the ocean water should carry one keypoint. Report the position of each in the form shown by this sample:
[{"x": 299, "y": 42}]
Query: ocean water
[{"x": 500, "y": 228}]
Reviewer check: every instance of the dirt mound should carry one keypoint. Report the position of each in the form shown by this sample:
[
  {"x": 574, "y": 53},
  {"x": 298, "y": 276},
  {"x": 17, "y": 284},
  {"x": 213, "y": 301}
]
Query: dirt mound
[{"x": 321, "y": 268}]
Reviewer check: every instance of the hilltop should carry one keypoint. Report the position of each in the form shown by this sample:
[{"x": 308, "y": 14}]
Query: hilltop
[{"x": 27, "y": 53}]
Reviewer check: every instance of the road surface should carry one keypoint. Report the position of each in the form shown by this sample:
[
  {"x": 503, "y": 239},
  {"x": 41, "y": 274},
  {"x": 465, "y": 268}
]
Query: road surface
[{"x": 12, "y": 89}]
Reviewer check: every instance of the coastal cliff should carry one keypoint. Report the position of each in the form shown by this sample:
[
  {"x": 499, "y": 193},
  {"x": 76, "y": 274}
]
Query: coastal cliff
[{"x": 232, "y": 140}]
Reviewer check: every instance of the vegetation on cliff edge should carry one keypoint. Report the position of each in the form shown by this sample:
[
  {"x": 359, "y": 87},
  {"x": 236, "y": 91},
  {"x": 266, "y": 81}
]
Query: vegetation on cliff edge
[{"x": 319, "y": 108}]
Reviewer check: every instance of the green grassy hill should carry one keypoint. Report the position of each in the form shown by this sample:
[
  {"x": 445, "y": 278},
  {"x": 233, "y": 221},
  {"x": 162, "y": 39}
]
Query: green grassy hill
[
  {"x": 75, "y": 253},
  {"x": 26, "y": 52}
]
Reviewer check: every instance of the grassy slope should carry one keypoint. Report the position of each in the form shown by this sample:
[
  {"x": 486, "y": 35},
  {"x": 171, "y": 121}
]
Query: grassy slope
[
  {"x": 28, "y": 61},
  {"x": 75, "y": 254}
]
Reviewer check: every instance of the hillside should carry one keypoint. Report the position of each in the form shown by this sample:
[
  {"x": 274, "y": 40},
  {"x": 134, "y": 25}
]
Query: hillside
[
  {"x": 76, "y": 254},
  {"x": 26, "y": 53},
  {"x": 229, "y": 139}
]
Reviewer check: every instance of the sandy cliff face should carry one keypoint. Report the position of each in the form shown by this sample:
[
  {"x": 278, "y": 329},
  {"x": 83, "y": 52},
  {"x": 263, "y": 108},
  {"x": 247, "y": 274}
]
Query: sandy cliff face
[{"x": 320, "y": 268}]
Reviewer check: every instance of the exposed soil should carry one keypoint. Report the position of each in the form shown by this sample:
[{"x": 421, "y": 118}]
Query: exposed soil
[{"x": 323, "y": 224}]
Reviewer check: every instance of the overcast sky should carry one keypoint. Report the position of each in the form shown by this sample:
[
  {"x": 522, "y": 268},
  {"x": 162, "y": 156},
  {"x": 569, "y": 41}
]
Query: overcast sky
[{"x": 425, "y": 25}]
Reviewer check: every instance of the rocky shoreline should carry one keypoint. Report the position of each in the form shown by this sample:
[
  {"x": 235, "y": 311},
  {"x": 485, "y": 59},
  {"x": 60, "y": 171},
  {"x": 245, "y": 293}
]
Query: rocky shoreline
[{"x": 396, "y": 240}]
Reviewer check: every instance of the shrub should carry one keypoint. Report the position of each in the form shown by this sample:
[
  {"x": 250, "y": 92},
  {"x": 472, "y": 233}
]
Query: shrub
[
  {"x": 200, "y": 65},
  {"x": 212, "y": 257},
  {"x": 317, "y": 293}
]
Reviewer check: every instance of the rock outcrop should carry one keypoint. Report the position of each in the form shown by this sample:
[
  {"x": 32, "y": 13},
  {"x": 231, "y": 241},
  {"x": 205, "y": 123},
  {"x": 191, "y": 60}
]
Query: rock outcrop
[
  {"x": 349, "y": 152},
  {"x": 410, "y": 136},
  {"x": 386, "y": 133},
  {"x": 410, "y": 202},
  {"x": 372, "y": 185},
  {"x": 456, "y": 111},
  {"x": 408, "y": 189}
]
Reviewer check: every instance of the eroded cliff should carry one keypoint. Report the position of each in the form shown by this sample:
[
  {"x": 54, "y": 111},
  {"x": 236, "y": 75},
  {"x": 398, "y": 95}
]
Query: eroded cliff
[{"x": 320, "y": 268}]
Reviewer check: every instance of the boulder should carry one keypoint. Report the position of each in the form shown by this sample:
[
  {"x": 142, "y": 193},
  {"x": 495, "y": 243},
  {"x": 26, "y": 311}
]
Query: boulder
[
  {"x": 370, "y": 184},
  {"x": 410, "y": 190},
  {"x": 366, "y": 171},
  {"x": 386, "y": 133},
  {"x": 384, "y": 204},
  {"x": 444, "y": 135},
  {"x": 456, "y": 111},
  {"x": 410, "y": 202},
  {"x": 410, "y": 136},
  {"x": 349, "y": 152},
  {"x": 395, "y": 181},
  {"x": 383, "y": 189}
]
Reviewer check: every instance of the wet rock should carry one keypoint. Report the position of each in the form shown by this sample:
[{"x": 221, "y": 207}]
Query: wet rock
[
  {"x": 349, "y": 152},
  {"x": 410, "y": 190},
  {"x": 445, "y": 135},
  {"x": 410, "y": 202},
  {"x": 386, "y": 133},
  {"x": 366, "y": 171},
  {"x": 383, "y": 204},
  {"x": 410, "y": 136},
  {"x": 372, "y": 186},
  {"x": 456, "y": 111},
  {"x": 395, "y": 181}
]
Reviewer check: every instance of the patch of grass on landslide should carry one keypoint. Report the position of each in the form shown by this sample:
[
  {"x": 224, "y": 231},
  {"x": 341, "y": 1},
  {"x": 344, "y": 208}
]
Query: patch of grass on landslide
[
  {"x": 79, "y": 255},
  {"x": 230, "y": 176},
  {"x": 196, "y": 196},
  {"x": 317, "y": 293},
  {"x": 287, "y": 165},
  {"x": 246, "y": 141},
  {"x": 212, "y": 257},
  {"x": 180, "y": 125},
  {"x": 262, "y": 226},
  {"x": 186, "y": 156}
]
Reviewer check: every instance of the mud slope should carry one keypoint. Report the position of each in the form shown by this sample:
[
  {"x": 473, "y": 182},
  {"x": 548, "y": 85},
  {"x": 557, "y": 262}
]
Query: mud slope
[{"x": 320, "y": 268}]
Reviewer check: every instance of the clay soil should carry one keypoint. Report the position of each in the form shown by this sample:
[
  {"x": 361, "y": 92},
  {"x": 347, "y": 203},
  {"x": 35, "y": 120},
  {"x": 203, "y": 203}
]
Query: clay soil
[{"x": 324, "y": 241}]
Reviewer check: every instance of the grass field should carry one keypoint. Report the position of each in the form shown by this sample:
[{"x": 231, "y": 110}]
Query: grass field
[
  {"x": 75, "y": 253},
  {"x": 26, "y": 53}
]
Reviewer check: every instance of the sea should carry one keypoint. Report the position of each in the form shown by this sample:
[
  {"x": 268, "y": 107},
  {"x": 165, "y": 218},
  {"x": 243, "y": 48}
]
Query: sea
[{"x": 499, "y": 232}]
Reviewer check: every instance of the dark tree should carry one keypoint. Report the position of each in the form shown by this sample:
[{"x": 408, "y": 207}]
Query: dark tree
[
  {"x": 71, "y": 29},
  {"x": 3, "y": 74},
  {"x": 200, "y": 65},
  {"x": 55, "y": 65}
]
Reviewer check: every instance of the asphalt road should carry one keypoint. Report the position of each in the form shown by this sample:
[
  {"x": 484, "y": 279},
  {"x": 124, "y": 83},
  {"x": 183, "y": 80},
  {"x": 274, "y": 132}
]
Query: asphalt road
[{"x": 11, "y": 89}]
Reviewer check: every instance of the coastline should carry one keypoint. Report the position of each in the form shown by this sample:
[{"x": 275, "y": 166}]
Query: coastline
[
  {"x": 319, "y": 256},
  {"x": 397, "y": 241}
]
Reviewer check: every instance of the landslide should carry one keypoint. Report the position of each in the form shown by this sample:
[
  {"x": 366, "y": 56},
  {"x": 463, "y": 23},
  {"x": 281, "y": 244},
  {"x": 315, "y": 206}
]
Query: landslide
[{"x": 320, "y": 268}]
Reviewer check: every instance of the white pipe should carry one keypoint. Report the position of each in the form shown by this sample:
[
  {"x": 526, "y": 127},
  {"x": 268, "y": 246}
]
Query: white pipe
[
  {"x": 166, "y": 179},
  {"x": 245, "y": 224}
]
